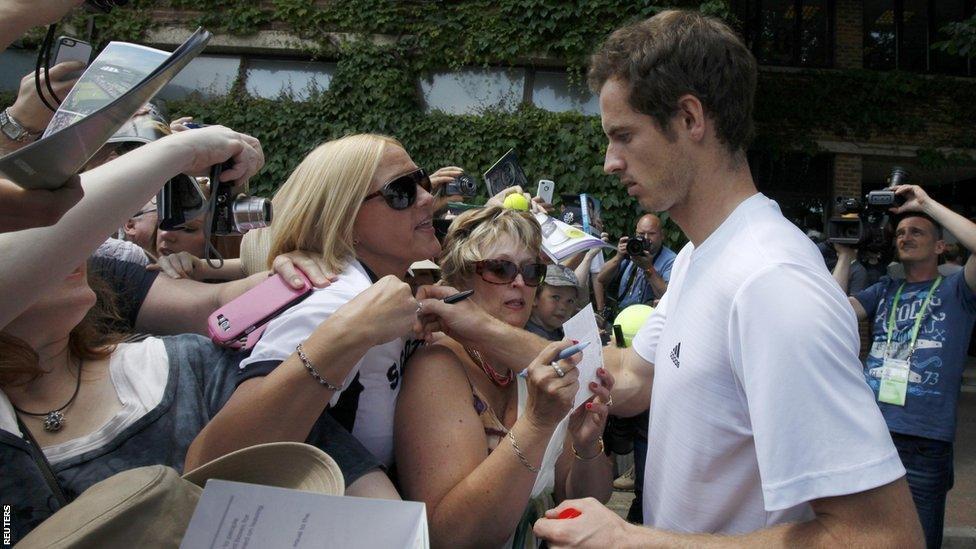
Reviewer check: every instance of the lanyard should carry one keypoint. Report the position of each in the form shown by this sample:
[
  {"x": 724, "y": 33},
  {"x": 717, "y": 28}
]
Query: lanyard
[{"x": 918, "y": 317}]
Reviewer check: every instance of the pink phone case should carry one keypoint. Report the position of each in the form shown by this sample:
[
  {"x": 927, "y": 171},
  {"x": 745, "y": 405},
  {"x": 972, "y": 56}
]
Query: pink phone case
[{"x": 240, "y": 323}]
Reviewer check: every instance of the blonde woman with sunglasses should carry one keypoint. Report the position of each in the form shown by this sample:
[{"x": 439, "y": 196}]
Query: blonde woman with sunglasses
[
  {"x": 364, "y": 205},
  {"x": 487, "y": 450}
]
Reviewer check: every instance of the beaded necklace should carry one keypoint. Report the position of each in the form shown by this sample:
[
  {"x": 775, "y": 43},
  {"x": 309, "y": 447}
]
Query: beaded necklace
[{"x": 496, "y": 378}]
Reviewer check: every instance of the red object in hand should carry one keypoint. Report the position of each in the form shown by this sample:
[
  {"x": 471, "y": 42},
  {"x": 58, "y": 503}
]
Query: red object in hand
[{"x": 569, "y": 512}]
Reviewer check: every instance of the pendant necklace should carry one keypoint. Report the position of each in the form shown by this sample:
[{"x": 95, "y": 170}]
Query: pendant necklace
[{"x": 54, "y": 420}]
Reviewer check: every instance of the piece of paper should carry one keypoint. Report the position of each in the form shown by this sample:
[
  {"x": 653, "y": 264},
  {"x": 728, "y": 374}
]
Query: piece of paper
[
  {"x": 582, "y": 328},
  {"x": 234, "y": 515},
  {"x": 113, "y": 88}
]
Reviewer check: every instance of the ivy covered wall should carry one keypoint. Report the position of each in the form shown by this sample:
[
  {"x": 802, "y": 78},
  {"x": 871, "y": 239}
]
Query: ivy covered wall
[{"x": 374, "y": 88}]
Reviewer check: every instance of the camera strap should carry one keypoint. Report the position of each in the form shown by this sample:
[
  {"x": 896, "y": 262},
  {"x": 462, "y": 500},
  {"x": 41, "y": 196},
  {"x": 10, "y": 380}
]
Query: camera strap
[{"x": 211, "y": 251}]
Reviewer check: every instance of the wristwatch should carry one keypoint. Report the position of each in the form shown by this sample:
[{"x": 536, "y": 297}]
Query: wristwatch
[{"x": 14, "y": 130}]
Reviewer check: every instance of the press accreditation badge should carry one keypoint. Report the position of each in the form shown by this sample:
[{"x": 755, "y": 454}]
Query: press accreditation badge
[{"x": 894, "y": 382}]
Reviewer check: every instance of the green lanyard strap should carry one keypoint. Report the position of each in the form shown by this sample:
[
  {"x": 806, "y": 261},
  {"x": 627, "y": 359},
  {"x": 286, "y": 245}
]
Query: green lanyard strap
[{"x": 918, "y": 317}]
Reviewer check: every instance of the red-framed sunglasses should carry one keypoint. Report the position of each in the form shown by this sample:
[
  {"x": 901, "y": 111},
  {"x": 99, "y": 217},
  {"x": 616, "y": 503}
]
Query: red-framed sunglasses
[
  {"x": 503, "y": 271},
  {"x": 401, "y": 192}
]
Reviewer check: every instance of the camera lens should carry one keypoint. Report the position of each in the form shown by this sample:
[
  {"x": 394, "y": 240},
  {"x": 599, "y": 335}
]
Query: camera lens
[{"x": 251, "y": 212}]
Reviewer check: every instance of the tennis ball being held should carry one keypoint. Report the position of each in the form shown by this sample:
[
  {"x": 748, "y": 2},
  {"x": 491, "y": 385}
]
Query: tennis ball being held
[{"x": 516, "y": 201}]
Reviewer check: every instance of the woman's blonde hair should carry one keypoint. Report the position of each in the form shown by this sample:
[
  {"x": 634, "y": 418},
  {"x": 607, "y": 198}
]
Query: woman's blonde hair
[
  {"x": 316, "y": 207},
  {"x": 475, "y": 231}
]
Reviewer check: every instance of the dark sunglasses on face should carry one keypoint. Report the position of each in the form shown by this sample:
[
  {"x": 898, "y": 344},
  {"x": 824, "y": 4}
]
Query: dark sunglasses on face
[
  {"x": 401, "y": 192},
  {"x": 502, "y": 271}
]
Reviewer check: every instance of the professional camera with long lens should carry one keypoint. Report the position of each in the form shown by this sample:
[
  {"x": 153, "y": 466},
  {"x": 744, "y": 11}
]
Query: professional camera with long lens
[
  {"x": 866, "y": 224},
  {"x": 235, "y": 214},
  {"x": 463, "y": 185},
  {"x": 638, "y": 245}
]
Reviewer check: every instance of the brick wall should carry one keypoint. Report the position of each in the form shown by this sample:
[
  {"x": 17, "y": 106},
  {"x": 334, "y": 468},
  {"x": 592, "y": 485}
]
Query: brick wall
[
  {"x": 847, "y": 175},
  {"x": 849, "y": 45}
]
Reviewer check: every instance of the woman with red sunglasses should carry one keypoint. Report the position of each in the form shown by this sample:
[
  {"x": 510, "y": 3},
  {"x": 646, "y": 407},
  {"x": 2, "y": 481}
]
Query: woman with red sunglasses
[
  {"x": 487, "y": 450},
  {"x": 363, "y": 204}
]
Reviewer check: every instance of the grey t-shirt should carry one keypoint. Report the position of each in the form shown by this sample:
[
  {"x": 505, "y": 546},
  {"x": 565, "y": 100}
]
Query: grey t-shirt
[{"x": 201, "y": 379}]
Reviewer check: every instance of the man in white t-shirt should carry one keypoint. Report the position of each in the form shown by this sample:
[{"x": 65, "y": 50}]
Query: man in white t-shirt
[{"x": 762, "y": 432}]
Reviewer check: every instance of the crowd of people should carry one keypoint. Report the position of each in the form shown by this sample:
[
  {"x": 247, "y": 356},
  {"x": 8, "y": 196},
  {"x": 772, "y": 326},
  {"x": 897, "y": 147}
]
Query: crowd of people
[{"x": 753, "y": 421}]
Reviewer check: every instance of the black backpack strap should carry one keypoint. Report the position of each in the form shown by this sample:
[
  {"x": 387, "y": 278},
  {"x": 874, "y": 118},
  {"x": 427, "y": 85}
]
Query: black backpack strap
[{"x": 42, "y": 463}]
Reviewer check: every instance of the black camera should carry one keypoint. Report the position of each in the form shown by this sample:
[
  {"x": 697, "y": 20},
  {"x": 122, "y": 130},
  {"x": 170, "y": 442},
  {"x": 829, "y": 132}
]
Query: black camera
[
  {"x": 865, "y": 224},
  {"x": 463, "y": 185},
  {"x": 235, "y": 215},
  {"x": 638, "y": 245}
]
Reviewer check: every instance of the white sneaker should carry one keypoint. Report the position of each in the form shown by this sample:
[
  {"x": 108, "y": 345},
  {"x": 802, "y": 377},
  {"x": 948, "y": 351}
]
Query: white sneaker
[{"x": 625, "y": 481}]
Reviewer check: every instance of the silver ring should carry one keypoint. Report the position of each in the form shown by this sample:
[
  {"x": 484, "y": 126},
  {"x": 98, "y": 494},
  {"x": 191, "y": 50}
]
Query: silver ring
[
  {"x": 610, "y": 401},
  {"x": 559, "y": 371},
  {"x": 420, "y": 308}
]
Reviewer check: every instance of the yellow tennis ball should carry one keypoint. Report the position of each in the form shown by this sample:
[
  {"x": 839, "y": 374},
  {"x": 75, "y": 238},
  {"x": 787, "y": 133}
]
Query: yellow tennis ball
[
  {"x": 631, "y": 319},
  {"x": 516, "y": 201}
]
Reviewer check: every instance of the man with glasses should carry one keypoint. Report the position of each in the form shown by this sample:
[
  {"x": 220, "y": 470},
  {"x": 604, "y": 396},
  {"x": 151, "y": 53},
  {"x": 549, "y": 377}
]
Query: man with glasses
[{"x": 140, "y": 229}]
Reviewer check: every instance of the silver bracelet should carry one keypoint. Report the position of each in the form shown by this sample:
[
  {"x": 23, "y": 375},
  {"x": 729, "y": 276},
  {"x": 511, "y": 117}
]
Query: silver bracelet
[
  {"x": 311, "y": 370},
  {"x": 518, "y": 452}
]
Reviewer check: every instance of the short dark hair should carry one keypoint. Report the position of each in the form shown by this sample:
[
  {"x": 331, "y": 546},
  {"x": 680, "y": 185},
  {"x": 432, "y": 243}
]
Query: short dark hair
[
  {"x": 680, "y": 52},
  {"x": 906, "y": 215}
]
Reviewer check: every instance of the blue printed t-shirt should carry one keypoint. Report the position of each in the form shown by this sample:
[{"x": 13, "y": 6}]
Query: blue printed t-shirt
[
  {"x": 940, "y": 353},
  {"x": 639, "y": 290}
]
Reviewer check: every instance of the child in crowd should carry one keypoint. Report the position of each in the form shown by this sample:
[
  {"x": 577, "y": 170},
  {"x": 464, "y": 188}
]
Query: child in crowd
[{"x": 559, "y": 299}]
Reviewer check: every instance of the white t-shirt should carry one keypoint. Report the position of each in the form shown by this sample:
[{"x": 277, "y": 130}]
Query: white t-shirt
[
  {"x": 371, "y": 388},
  {"x": 758, "y": 404}
]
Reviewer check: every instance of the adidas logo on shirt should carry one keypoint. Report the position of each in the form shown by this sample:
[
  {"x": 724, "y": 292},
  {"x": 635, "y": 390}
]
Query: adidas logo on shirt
[{"x": 674, "y": 355}]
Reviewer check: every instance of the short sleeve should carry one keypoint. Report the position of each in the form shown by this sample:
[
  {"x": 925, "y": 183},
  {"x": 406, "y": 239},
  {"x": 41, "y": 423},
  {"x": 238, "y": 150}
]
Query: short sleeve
[
  {"x": 645, "y": 342},
  {"x": 870, "y": 297},
  {"x": 816, "y": 427},
  {"x": 962, "y": 291},
  {"x": 665, "y": 270},
  {"x": 215, "y": 368},
  {"x": 130, "y": 282}
]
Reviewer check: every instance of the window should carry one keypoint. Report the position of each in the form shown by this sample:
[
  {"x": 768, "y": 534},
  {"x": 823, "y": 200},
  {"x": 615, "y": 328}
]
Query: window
[
  {"x": 554, "y": 92},
  {"x": 270, "y": 78},
  {"x": 206, "y": 75},
  {"x": 898, "y": 34},
  {"x": 14, "y": 65},
  {"x": 800, "y": 183},
  {"x": 472, "y": 91},
  {"x": 788, "y": 32}
]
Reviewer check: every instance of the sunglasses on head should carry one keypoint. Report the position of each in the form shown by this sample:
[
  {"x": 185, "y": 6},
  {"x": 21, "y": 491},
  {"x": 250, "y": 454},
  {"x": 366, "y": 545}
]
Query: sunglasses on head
[
  {"x": 401, "y": 192},
  {"x": 503, "y": 271}
]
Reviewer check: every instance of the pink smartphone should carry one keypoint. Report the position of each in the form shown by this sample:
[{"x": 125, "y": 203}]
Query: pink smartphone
[{"x": 240, "y": 323}]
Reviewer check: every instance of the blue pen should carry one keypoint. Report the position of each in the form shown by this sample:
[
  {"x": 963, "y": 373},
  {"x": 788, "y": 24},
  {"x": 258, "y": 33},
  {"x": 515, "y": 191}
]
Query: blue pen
[{"x": 564, "y": 354}]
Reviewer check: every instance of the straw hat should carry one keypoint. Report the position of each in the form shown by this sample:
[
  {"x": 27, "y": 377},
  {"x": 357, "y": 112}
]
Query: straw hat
[{"x": 152, "y": 506}]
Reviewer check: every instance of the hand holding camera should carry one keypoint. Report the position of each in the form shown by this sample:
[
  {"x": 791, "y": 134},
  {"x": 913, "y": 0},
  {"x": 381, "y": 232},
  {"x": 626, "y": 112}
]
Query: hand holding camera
[{"x": 200, "y": 149}]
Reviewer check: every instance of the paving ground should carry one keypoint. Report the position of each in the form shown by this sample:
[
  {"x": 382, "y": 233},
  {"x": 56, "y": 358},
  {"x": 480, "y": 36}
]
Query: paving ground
[{"x": 961, "y": 504}]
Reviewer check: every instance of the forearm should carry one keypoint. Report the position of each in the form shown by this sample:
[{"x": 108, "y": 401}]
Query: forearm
[
  {"x": 12, "y": 27},
  {"x": 842, "y": 271},
  {"x": 231, "y": 269},
  {"x": 485, "y": 507},
  {"x": 633, "y": 381},
  {"x": 657, "y": 282},
  {"x": 815, "y": 533},
  {"x": 591, "y": 477},
  {"x": 180, "y": 306},
  {"x": 37, "y": 259},
  {"x": 283, "y": 406},
  {"x": 609, "y": 270},
  {"x": 598, "y": 296},
  {"x": 963, "y": 229},
  {"x": 505, "y": 345}
]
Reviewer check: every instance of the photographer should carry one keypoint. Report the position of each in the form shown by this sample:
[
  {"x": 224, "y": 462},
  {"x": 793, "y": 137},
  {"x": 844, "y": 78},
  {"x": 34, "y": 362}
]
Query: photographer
[
  {"x": 36, "y": 260},
  {"x": 633, "y": 278},
  {"x": 921, "y": 332}
]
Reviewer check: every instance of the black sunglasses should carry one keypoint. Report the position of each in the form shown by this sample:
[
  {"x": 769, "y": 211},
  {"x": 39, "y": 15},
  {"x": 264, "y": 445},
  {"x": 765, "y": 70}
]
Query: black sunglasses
[
  {"x": 503, "y": 271},
  {"x": 401, "y": 192}
]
